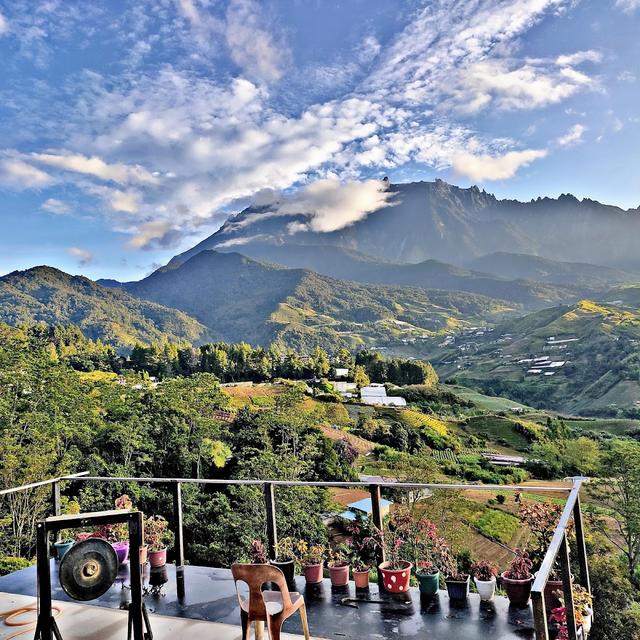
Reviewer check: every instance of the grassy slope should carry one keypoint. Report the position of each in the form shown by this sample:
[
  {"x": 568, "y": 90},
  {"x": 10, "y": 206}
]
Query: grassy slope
[{"x": 44, "y": 294}]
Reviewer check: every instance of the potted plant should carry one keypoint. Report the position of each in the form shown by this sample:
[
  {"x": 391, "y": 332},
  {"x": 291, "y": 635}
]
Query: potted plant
[
  {"x": 63, "y": 545},
  {"x": 312, "y": 560},
  {"x": 582, "y": 607},
  {"x": 518, "y": 580},
  {"x": 258, "y": 553},
  {"x": 285, "y": 559},
  {"x": 364, "y": 539},
  {"x": 428, "y": 576},
  {"x": 456, "y": 578},
  {"x": 430, "y": 549},
  {"x": 158, "y": 538},
  {"x": 484, "y": 575},
  {"x": 396, "y": 572},
  {"x": 339, "y": 565}
]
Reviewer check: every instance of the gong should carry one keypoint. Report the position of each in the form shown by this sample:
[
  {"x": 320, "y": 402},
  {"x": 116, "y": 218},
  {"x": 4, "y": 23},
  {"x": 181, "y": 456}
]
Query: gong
[{"x": 88, "y": 569}]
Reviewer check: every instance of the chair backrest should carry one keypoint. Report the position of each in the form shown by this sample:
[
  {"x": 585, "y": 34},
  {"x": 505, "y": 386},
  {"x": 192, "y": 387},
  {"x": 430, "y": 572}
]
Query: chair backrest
[{"x": 255, "y": 576}]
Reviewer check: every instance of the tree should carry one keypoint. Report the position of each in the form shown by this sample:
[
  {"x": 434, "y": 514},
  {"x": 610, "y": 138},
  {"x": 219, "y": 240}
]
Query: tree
[
  {"x": 360, "y": 377},
  {"x": 619, "y": 494}
]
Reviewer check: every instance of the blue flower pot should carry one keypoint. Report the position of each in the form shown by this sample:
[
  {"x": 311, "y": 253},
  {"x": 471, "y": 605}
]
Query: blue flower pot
[
  {"x": 62, "y": 548},
  {"x": 458, "y": 590}
]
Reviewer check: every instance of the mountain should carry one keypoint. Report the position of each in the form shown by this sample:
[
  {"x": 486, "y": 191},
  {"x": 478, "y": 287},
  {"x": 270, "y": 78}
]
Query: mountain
[
  {"x": 439, "y": 221},
  {"x": 238, "y": 298},
  {"x": 597, "y": 344},
  {"x": 577, "y": 274},
  {"x": 44, "y": 294},
  {"x": 430, "y": 274}
]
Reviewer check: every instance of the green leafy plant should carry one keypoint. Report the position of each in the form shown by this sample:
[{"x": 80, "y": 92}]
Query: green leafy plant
[
  {"x": 364, "y": 541},
  {"x": 285, "y": 550},
  {"x": 310, "y": 554},
  {"x": 339, "y": 556}
]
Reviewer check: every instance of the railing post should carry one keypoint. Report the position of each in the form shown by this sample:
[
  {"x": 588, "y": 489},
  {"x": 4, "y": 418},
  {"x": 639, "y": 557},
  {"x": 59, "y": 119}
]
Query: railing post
[
  {"x": 55, "y": 504},
  {"x": 179, "y": 533},
  {"x": 565, "y": 567},
  {"x": 585, "y": 581},
  {"x": 376, "y": 516},
  {"x": 539, "y": 615},
  {"x": 270, "y": 513},
  {"x": 135, "y": 542}
]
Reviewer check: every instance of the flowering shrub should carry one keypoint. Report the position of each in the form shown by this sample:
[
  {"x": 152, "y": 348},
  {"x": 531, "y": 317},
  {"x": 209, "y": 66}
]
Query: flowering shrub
[
  {"x": 364, "y": 540},
  {"x": 156, "y": 533},
  {"x": 115, "y": 532}
]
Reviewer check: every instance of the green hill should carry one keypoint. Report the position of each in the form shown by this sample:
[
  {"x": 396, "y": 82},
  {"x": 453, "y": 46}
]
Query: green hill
[
  {"x": 243, "y": 299},
  {"x": 592, "y": 366},
  {"x": 346, "y": 264},
  {"x": 44, "y": 294}
]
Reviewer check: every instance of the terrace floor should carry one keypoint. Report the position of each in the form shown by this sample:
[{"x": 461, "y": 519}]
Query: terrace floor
[{"x": 210, "y": 596}]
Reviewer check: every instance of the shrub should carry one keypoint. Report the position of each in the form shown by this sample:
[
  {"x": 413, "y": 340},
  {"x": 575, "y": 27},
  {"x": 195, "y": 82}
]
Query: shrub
[
  {"x": 500, "y": 498},
  {"x": 9, "y": 564}
]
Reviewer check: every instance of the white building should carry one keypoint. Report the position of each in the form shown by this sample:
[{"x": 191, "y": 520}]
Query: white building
[{"x": 342, "y": 373}]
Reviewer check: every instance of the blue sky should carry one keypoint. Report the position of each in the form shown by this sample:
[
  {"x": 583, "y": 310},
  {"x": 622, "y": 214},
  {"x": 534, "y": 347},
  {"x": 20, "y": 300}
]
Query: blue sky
[{"x": 129, "y": 131}]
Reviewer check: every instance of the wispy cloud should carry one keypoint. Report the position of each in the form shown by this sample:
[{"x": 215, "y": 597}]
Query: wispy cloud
[
  {"x": 573, "y": 136},
  {"x": 4, "y": 25},
  {"x": 17, "y": 174},
  {"x": 628, "y": 6},
  {"x": 83, "y": 256},
  {"x": 485, "y": 167},
  {"x": 53, "y": 205}
]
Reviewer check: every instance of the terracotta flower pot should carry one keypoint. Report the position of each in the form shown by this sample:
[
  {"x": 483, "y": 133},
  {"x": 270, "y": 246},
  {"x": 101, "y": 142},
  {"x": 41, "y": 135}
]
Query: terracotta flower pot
[
  {"x": 122, "y": 550},
  {"x": 144, "y": 549},
  {"x": 361, "y": 578},
  {"x": 396, "y": 580},
  {"x": 313, "y": 573},
  {"x": 429, "y": 583},
  {"x": 157, "y": 558},
  {"x": 458, "y": 589},
  {"x": 287, "y": 567},
  {"x": 486, "y": 588},
  {"x": 518, "y": 591},
  {"x": 339, "y": 575}
]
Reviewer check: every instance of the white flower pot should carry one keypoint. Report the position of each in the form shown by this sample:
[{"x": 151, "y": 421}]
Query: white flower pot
[
  {"x": 586, "y": 624},
  {"x": 486, "y": 588}
]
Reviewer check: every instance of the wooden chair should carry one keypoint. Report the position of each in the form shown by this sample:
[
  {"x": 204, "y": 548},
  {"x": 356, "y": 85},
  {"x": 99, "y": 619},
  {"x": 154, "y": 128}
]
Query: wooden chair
[{"x": 272, "y": 607}]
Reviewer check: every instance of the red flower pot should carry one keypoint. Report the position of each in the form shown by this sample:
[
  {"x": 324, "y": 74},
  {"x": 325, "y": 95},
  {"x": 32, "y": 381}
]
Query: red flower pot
[
  {"x": 396, "y": 580},
  {"x": 313, "y": 573},
  {"x": 157, "y": 558},
  {"x": 339, "y": 575},
  {"x": 518, "y": 591},
  {"x": 361, "y": 578}
]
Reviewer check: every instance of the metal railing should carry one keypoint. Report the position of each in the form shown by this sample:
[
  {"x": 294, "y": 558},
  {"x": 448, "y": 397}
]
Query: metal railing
[{"x": 558, "y": 548}]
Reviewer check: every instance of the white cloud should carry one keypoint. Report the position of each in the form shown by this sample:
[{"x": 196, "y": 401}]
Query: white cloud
[
  {"x": 627, "y": 76},
  {"x": 18, "y": 174},
  {"x": 572, "y": 59},
  {"x": 96, "y": 167},
  {"x": 527, "y": 86},
  {"x": 84, "y": 256},
  {"x": 4, "y": 25},
  {"x": 155, "y": 233},
  {"x": 251, "y": 44},
  {"x": 128, "y": 201},
  {"x": 53, "y": 205},
  {"x": 628, "y": 6},
  {"x": 485, "y": 167},
  {"x": 329, "y": 205},
  {"x": 573, "y": 136}
]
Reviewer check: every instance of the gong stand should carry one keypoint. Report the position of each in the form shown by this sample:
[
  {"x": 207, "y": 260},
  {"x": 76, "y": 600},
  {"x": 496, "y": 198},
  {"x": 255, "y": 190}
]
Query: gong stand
[{"x": 47, "y": 627}]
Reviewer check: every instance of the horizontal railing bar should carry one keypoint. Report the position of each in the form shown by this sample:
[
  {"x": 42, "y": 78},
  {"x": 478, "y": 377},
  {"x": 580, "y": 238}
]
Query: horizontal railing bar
[
  {"x": 323, "y": 483},
  {"x": 42, "y": 483},
  {"x": 558, "y": 539}
]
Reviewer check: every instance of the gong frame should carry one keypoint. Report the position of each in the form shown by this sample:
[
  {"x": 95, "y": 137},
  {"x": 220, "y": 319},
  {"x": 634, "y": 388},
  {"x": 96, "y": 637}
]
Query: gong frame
[{"x": 47, "y": 628}]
